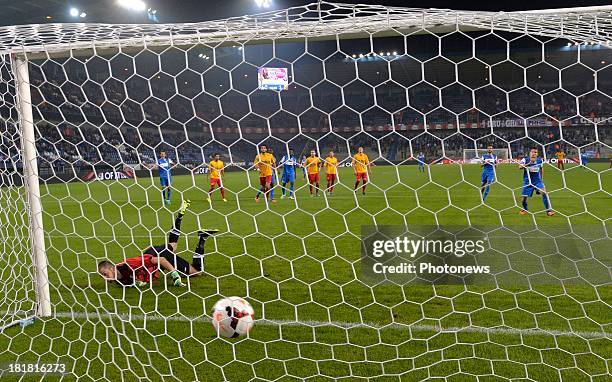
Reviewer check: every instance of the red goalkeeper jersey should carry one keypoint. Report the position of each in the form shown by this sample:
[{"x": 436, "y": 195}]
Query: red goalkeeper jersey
[{"x": 140, "y": 268}]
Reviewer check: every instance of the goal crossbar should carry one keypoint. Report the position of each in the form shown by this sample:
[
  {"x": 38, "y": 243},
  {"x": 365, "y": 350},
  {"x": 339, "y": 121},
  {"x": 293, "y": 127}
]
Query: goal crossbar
[{"x": 56, "y": 38}]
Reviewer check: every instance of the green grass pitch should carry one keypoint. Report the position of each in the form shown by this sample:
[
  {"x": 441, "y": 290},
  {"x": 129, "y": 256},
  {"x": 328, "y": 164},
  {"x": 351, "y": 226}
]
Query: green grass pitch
[{"x": 297, "y": 262}]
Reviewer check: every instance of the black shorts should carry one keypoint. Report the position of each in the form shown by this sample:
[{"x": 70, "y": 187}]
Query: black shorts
[{"x": 177, "y": 262}]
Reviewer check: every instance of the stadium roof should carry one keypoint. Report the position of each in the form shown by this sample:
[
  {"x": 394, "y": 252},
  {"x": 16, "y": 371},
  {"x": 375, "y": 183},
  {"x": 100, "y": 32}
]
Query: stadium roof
[{"x": 316, "y": 20}]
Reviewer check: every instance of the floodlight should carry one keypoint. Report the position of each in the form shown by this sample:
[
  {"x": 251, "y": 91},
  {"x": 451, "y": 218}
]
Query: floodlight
[
  {"x": 263, "y": 3},
  {"x": 134, "y": 5}
]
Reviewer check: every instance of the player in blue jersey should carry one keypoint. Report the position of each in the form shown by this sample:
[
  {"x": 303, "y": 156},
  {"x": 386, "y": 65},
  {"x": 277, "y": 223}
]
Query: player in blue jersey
[
  {"x": 421, "y": 161},
  {"x": 584, "y": 159},
  {"x": 532, "y": 167},
  {"x": 488, "y": 164},
  {"x": 165, "y": 166},
  {"x": 288, "y": 164}
]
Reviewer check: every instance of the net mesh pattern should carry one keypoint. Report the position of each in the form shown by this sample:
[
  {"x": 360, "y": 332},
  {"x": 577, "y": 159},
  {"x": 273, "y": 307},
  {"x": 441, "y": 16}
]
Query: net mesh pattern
[{"x": 402, "y": 84}]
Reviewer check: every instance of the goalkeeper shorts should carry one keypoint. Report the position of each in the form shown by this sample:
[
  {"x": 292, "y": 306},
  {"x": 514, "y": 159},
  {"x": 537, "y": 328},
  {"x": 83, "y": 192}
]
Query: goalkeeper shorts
[{"x": 164, "y": 251}]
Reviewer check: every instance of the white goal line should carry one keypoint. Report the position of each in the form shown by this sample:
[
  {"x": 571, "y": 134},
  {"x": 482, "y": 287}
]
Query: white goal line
[{"x": 340, "y": 324}]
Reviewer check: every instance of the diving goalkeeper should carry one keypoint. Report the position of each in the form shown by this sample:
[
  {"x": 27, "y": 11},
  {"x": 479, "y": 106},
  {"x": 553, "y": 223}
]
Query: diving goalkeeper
[{"x": 140, "y": 270}]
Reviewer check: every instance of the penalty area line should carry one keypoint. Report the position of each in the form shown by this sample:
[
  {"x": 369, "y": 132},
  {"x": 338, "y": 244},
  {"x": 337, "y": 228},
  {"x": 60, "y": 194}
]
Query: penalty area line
[{"x": 339, "y": 324}]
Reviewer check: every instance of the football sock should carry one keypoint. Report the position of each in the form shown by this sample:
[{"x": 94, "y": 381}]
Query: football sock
[
  {"x": 485, "y": 193},
  {"x": 525, "y": 204},
  {"x": 545, "y": 200},
  {"x": 291, "y": 189},
  {"x": 198, "y": 256},
  {"x": 173, "y": 236},
  {"x": 168, "y": 192},
  {"x": 222, "y": 192}
]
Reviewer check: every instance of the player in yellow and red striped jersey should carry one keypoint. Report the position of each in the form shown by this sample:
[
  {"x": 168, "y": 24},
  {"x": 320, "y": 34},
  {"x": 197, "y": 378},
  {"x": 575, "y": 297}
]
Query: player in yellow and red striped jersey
[
  {"x": 331, "y": 171},
  {"x": 313, "y": 166},
  {"x": 361, "y": 164},
  {"x": 216, "y": 170},
  {"x": 264, "y": 162},
  {"x": 560, "y": 159}
]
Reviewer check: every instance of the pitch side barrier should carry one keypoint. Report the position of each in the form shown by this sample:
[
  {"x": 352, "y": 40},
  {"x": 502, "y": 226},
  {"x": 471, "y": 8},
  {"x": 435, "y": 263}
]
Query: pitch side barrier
[{"x": 10, "y": 177}]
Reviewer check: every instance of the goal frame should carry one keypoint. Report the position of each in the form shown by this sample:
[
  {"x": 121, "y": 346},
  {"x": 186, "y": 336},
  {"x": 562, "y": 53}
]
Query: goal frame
[
  {"x": 29, "y": 158},
  {"x": 61, "y": 40},
  {"x": 24, "y": 43}
]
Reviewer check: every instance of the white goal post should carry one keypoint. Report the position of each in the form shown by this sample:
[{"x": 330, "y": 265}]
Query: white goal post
[
  {"x": 30, "y": 165},
  {"x": 38, "y": 305}
]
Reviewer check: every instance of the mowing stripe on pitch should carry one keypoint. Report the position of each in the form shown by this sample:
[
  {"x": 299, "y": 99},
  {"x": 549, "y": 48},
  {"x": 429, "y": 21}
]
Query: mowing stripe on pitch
[{"x": 340, "y": 324}]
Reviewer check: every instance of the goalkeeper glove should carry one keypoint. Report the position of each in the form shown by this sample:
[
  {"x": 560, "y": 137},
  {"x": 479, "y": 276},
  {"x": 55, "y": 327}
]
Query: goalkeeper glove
[
  {"x": 177, "y": 279},
  {"x": 141, "y": 284}
]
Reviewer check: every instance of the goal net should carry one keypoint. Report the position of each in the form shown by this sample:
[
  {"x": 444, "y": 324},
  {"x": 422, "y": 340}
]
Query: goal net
[{"x": 94, "y": 118}]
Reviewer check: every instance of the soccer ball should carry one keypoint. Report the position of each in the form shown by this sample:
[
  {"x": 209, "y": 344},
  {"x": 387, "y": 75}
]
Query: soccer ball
[{"x": 232, "y": 317}]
